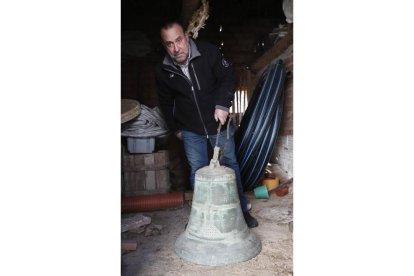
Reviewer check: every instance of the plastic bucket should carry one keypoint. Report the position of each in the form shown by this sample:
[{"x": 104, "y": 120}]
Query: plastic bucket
[
  {"x": 261, "y": 192},
  {"x": 271, "y": 183}
]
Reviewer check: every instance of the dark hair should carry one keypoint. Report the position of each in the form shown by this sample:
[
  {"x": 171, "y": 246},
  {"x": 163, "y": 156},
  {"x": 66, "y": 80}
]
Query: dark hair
[{"x": 166, "y": 24}]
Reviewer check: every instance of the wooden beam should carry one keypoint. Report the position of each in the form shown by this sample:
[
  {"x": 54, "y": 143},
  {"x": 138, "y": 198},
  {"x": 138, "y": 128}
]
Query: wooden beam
[
  {"x": 286, "y": 57},
  {"x": 273, "y": 52}
]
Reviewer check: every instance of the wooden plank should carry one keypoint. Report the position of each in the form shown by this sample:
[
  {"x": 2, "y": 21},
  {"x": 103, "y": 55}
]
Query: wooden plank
[{"x": 273, "y": 52}]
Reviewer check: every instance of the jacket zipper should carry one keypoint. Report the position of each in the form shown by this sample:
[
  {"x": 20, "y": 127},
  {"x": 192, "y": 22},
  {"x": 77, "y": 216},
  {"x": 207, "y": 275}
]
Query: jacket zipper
[
  {"x": 195, "y": 75},
  {"x": 199, "y": 113},
  {"x": 194, "y": 95}
]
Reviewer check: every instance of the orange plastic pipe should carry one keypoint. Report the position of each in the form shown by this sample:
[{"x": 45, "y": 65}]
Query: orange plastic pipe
[{"x": 151, "y": 202}]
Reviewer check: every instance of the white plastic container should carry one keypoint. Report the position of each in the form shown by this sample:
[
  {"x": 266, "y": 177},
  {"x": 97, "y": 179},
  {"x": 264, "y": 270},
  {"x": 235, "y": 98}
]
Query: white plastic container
[{"x": 140, "y": 145}]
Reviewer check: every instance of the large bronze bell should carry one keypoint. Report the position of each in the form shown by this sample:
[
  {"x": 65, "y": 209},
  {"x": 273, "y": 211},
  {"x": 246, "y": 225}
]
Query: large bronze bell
[{"x": 216, "y": 233}]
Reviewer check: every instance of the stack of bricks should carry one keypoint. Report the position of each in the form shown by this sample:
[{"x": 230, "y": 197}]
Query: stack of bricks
[{"x": 145, "y": 173}]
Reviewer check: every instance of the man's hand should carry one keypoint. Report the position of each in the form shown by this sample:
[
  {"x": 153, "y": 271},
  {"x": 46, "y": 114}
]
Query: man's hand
[
  {"x": 179, "y": 135},
  {"x": 220, "y": 115}
]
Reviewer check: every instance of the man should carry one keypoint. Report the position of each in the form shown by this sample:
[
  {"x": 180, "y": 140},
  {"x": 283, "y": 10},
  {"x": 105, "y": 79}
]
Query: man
[{"x": 196, "y": 88}]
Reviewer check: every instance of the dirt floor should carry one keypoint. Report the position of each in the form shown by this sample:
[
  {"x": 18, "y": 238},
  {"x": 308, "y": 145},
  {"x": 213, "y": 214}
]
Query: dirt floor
[{"x": 155, "y": 253}]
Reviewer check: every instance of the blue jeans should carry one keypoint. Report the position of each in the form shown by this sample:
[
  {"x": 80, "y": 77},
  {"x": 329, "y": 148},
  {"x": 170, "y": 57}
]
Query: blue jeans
[{"x": 195, "y": 146}]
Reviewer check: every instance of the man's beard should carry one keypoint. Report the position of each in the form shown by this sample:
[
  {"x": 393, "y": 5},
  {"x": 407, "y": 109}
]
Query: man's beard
[{"x": 176, "y": 58}]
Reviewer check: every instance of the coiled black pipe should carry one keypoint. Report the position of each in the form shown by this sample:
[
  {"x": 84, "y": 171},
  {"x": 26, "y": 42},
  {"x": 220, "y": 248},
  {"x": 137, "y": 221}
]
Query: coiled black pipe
[
  {"x": 255, "y": 110},
  {"x": 256, "y": 162},
  {"x": 265, "y": 115},
  {"x": 263, "y": 123},
  {"x": 266, "y": 150},
  {"x": 262, "y": 141},
  {"x": 260, "y": 125},
  {"x": 258, "y": 98}
]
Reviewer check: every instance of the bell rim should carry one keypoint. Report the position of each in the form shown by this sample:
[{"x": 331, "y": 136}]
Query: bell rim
[{"x": 237, "y": 252}]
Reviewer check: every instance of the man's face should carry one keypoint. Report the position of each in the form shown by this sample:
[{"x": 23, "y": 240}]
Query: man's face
[{"x": 176, "y": 43}]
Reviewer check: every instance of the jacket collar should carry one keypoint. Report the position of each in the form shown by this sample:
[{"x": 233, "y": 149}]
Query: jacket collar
[{"x": 193, "y": 52}]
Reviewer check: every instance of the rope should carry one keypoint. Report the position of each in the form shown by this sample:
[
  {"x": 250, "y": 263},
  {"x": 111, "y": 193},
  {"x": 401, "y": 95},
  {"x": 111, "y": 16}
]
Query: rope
[
  {"x": 149, "y": 123},
  {"x": 217, "y": 156},
  {"x": 218, "y": 134}
]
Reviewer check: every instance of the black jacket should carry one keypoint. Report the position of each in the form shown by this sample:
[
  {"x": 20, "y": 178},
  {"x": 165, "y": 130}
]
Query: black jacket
[{"x": 190, "y": 104}]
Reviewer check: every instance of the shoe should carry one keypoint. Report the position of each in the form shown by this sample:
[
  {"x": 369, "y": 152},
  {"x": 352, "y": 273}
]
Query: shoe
[{"x": 250, "y": 221}]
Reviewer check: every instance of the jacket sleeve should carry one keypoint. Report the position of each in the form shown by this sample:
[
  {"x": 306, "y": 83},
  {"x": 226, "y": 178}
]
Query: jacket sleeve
[
  {"x": 166, "y": 102},
  {"x": 226, "y": 80}
]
